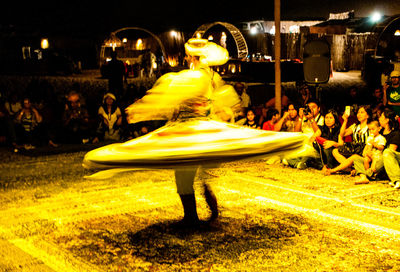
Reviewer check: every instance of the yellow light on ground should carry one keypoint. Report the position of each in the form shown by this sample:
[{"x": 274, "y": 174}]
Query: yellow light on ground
[{"x": 44, "y": 44}]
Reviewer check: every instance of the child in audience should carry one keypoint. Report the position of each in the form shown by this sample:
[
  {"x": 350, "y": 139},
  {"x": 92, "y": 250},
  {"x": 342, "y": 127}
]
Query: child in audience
[
  {"x": 251, "y": 119},
  {"x": 374, "y": 146}
]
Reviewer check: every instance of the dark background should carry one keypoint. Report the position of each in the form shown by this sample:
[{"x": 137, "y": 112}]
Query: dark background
[{"x": 97, "y": 16}]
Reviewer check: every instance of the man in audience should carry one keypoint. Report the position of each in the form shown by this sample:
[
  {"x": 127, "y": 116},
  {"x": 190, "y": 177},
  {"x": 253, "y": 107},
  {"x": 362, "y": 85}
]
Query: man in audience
[
  {"x": 391, "y": 93},
  {"x": 75, "y": 120}
]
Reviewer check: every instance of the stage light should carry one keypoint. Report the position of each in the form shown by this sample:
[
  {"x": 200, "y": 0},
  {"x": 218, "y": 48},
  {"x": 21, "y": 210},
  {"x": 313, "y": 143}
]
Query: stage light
[
  {"x": 376, "y": 17},
  {"x": 44, "y": 44},
  {"x": 139, "y": 44},
  {"x": 253, "y": 30}
]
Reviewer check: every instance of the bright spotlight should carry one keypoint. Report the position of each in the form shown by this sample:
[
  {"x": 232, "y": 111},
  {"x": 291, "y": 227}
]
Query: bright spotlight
[
  {"x": 253, "y": 30},
  {"x": 376, "y": 17},
  {"x": 44, "y": 44}
]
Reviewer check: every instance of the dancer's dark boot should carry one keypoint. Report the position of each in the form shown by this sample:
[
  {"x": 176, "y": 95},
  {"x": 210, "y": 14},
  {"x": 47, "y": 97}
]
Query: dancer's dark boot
[
  {"x": 211, "y": 202},
  {"x": 190, "y": 218}
]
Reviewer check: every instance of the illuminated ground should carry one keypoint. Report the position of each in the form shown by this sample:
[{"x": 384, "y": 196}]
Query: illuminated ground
[{"x": 272, "y": 219}]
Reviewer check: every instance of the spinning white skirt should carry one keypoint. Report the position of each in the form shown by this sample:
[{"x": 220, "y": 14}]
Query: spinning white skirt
[{"x": 194, "y": 142}]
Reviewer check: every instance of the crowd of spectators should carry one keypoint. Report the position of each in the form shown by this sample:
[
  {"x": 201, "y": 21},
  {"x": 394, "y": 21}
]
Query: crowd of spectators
[
  {"x": 32, "y": 121},
  {"x": 360, "y": 136}
]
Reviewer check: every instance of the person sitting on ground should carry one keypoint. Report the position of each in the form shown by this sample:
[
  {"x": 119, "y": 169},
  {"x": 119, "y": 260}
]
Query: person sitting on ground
[
  {"x": 308, "y": 115},
  {"x": 110, "y": 120},
  {"x": 240, "y": 89},
  {"x": 144, "y": 129},
  {"x": 13, "y": 106},
  {"x": 284, "y": 101},
  {"x": 391, "y": 94},
  {"x": 251, "y": 119},
  {"x": 289, "y": 120},
  {"x": 327, "y": 138},
  {"x": 271, "y": 119},
  {"x": 376, "y": 100},
  {"x": 75, "y": 120},
  {"x": 262, "y": 114},
  {"x": 28, "y": 130},
  {"x": 360, "y": 132},
  {"x": 391, "y": 154},
  {"x": 309, "y": 120},
  {"x": 389, "y": 124},
  {"x": 353, "y": 97},
  {"x": 374, "y": 146},
  {"x": 304, "y": 95}
]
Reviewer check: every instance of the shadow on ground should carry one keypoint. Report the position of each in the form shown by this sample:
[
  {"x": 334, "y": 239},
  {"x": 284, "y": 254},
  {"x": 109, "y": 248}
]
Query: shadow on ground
[{"x": 166, "y": 243}]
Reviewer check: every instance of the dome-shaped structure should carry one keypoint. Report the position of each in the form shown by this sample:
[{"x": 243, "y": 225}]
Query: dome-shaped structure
[
  {"x": 241, "y": 45},
  {"x": 388, "y": 41},
  {"x": 116, "y": 40}
]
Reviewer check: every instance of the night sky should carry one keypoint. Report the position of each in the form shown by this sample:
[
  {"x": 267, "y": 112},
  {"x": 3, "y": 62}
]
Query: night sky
[{"x": 98, "y": 17}]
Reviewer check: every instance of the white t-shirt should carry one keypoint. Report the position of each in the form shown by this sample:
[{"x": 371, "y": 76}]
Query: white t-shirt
[{"x": 378, "y": 140}]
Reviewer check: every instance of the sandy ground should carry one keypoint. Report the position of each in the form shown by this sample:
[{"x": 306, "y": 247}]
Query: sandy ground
[{"x": 272, "y": 218}]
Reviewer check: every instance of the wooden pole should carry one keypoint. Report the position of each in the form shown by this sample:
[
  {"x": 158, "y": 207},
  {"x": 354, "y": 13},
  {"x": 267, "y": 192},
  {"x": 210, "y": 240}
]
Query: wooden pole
[{"x": 278, "y": 91}]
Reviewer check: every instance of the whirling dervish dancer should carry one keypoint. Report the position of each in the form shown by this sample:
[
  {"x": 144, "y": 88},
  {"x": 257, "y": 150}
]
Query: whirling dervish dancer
[{"x": 199, "y": 106}]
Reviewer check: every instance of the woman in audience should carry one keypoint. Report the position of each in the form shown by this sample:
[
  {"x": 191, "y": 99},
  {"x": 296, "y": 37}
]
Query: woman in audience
[
  {"x": 327, "y": 138},
  {"x": 110, "y": 119},
  {"x": 359, "y": 132}
]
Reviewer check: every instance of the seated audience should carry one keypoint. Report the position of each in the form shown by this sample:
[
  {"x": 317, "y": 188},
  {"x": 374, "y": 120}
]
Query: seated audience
[
  {"x": 110, "y": 116},
  {"x": 284, "y": 101},
  {"x": 327, "y": 138},
  {"x": 309, "y": 115},
  {"x": 376, "y": 99},
  {"x": 272, "y": 118},
  {"x": 391, "y": 154},
  {"x": 309, "y": 120},
  {"x": 289, "y": 119},
  {"x": 75, "y": 120},
  {"x": 28, "y": 120},
  {"x": 359, "y": 132},
  {"x": 240, "y": 88},
  {"x": 303, "y": 95},
  {"x": 374, "y": 146},
  {"x": 370, "y": 162},
  {"x": 13, "y": 106},
  {"x": 391, "y": 93},
  {"x": 251, "y": 119}
]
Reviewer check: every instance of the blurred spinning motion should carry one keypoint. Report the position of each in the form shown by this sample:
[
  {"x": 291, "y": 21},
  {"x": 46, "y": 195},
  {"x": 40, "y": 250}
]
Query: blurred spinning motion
[{"x": 200, "y": 108}]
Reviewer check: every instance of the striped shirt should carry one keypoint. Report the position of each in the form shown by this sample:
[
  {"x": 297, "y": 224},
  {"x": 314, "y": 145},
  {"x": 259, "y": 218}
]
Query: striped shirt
[{"x": 360, "y": 135}]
